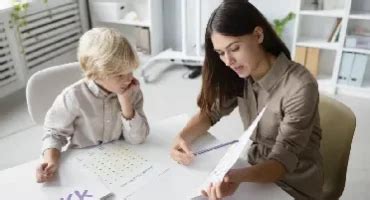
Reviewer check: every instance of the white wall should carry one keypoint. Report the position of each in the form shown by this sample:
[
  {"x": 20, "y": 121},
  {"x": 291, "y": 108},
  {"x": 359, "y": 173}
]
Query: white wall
[
  {"x": 171, "y": 24},
  {"x": 271, "y": 10},
  {"x": 172, "y": 20}
]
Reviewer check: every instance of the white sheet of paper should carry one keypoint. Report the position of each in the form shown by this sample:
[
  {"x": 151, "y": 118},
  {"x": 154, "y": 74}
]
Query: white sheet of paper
[
  {"x": 121, "y": 169},
  {"x": 232, "y": 155},
  {"x": 71, "y": 182}
]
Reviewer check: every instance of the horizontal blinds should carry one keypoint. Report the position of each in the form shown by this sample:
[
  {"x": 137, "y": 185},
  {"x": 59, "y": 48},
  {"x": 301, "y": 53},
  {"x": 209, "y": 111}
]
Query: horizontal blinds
[
  {"x": 50, "y": 33},
  {"x": 7, "y": 69}
]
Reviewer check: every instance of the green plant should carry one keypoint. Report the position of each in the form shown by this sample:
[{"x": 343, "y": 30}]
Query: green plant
[
  {"x": 279, "y": 24},
  {"x": 17, "y": 17},
  {"x": 19, "y": 11}
]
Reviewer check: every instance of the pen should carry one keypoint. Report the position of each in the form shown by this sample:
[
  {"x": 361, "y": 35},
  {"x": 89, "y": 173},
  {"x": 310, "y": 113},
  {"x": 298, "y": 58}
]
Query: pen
[{"x": 215, "y": 147}]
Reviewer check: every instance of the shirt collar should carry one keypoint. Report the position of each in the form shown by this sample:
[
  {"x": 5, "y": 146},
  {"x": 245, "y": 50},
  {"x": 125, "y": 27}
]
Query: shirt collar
[
  {"x": 278, "y": 69},
  {"x": 97, "y": 91}
]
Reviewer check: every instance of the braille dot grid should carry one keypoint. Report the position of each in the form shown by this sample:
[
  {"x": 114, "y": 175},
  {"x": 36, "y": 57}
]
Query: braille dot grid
[{"x": 114, "y": 164}]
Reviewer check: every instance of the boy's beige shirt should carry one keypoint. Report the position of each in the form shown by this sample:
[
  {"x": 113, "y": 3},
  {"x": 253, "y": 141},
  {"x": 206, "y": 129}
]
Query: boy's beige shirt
[
  {"x": 89, "y": 116},
  {"x": 289, "y": 130}
]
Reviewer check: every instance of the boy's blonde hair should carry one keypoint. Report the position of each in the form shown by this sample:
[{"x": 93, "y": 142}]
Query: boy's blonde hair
[{"x": 103, "y": 52}]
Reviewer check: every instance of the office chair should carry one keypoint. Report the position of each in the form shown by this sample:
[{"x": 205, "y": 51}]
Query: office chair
[
  {"x": 44, "y": 86},
  {"x": 338, "y": 126}
]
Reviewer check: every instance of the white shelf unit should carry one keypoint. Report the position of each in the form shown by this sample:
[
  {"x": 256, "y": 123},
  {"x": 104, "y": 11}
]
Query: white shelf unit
[
  {"x": 324, "y": 13},
  {"x": 317, "y": 43},
  {"x": 356, "y": 50},
  {"x": 313, "y": 28},
  {"x": 49, "y": 38},
  {"x": 188, "y": 55},
  {"x": 140, "y": 21},
  {"x": 145, "y": 23},
  {"x": 360, "y": 15}
]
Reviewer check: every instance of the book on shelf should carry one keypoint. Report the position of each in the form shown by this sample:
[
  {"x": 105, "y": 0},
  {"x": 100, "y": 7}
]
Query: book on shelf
[
  {"x": 308, "y": 57},
  {"x": 334, "y": 35}
]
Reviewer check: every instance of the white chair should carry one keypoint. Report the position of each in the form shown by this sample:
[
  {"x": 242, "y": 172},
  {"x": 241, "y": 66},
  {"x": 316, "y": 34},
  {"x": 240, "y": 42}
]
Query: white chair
[{"x": 44, "y": 86}]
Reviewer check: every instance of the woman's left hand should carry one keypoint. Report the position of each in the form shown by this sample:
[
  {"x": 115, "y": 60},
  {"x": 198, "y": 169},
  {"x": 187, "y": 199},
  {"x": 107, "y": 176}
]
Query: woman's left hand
[{"x": 225, "y": 188}]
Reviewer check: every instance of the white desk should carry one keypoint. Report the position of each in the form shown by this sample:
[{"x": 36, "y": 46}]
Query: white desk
[{"x": 179, "y": 182}]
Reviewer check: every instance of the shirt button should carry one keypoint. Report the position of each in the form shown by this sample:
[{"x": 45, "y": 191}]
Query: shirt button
[{"x": 108, "y": 121}]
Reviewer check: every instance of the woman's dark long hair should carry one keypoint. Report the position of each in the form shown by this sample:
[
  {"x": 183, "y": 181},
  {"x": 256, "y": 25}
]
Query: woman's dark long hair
[{"x": 231, "y": 18}]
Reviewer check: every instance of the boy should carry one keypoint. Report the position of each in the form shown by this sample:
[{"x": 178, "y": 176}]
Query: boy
[{"x": 104, "y": 106}]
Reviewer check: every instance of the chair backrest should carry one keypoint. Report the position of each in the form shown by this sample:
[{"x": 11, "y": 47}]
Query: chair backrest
[
  {"x": 338, "y": 125},
  {"x": 44, "y": 86}
]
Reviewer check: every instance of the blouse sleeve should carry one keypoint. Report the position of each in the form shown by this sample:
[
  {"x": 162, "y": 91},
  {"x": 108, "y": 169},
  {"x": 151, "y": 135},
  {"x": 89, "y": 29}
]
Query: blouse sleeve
[
  {"x": 218, "y": 110},
  {"x": 300, "y": 109}
]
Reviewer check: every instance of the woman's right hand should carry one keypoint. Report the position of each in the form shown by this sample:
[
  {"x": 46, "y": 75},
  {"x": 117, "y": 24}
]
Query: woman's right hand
[
  {"x": 45, "y": 172},
  {"x": 181, "y": 152}
]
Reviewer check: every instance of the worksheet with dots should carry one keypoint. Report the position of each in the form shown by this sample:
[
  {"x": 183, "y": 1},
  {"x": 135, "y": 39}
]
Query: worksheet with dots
[{"x": 121, "y": 169}]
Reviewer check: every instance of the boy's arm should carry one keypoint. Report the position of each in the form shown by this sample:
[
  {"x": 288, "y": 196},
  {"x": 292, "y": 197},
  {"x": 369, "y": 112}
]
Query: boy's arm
[
  {"x": 58, "y": 125},
  {"x": 52, "y": 156},
  {"x": 47, "y": 169},
  {"x": 128, "y": 111},
  {"x": 135, "y": 124}
]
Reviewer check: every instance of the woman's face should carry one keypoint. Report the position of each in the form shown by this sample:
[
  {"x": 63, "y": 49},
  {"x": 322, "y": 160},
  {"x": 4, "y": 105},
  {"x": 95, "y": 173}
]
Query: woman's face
[{"x": 242, "y": 53}]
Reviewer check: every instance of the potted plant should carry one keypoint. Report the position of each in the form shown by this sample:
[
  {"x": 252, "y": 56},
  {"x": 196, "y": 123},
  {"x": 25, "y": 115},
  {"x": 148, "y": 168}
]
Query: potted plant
[
  {"x": 17, "y": 16},
  {"x": 19, "y": 10},
  {"x": 279, "y": 24}
]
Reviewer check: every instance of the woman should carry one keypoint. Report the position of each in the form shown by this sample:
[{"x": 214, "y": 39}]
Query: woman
[{"x": 248, "y": 66}]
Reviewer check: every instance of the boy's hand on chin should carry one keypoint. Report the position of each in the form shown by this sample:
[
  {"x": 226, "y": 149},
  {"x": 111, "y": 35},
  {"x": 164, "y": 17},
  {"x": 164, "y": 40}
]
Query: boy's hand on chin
[
  {"x": 126, "y": 98},
  {"x": 126, "y": 93}
]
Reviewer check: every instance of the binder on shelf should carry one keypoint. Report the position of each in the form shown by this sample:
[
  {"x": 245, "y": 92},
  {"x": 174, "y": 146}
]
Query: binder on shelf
[
  {"x": 358, "y": 70},
  {"x": 346, "y": 68},
  {"x": 300, "y": 55},
  {"x": 308, "y": 57},
  {"x": 312, "y": 60}
]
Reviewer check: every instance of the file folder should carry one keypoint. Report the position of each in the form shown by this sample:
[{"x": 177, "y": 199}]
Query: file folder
[
  {"x": 346, "y": 68},
  {"x": 358, "y": 70}
]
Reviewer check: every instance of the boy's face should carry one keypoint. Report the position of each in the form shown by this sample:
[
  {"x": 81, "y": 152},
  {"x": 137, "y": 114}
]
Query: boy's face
[{"x": 116, "y": 83}]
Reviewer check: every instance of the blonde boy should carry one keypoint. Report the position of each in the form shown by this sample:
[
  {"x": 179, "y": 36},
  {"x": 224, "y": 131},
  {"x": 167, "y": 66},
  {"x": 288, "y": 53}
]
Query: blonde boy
[{"x": 104, "y": 106}]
